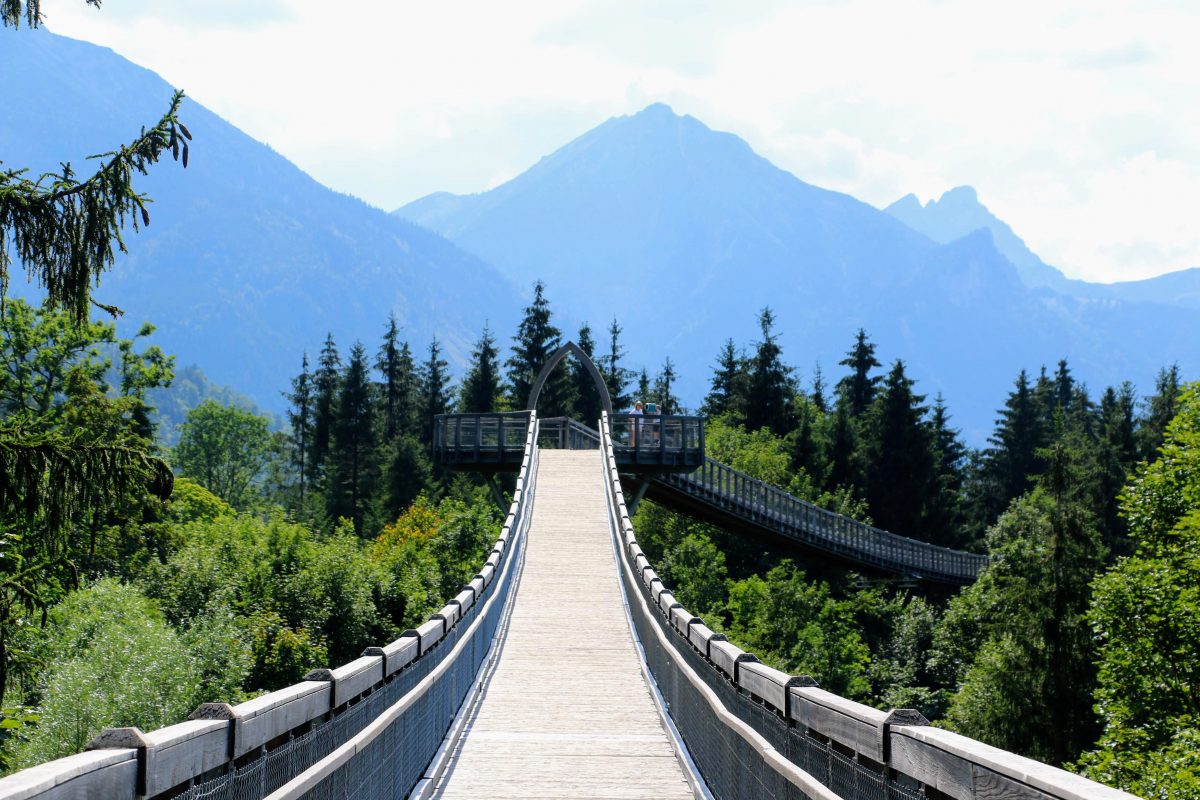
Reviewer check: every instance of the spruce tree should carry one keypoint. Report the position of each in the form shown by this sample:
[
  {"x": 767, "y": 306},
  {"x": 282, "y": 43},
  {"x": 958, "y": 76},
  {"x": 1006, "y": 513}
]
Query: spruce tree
[
  {"x": 537, "y": 339},
  {"x": 325, "y": 385},
  {"x": 770, "y": 384},
  {"x": 1012, "y": 461},
  {"x": 615, "y": 376},
  {"x": 859, "y": 385},
  {"x": 409, "y": 391},
  {"x": 643, "y": 386},
  {"x": 944, "y": 517},
  {"x": 808, "y": 446},
  {"x": 391, "y": 390},
  {"x": 1115, "y": 455},
  {"x": 818, "y": 390},
  {"x": 435, "y": 391},
  {"x": 300, "y": 416},
  {"x": 899, "y": 457},
  {"x": 1160, "y": 409},
  {"x": 481, "y": 387},
  {"x": 843, "y": 456},
  {"x": 730, "y": 385},
  {"x": 352, "y": 465},
  {"x": 587, "y": 397},
  {"x": 662, "y": 392}
]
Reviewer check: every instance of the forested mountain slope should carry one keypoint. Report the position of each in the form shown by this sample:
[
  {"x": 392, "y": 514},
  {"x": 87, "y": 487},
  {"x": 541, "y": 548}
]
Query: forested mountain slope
[{"x": 247, "y": 261}]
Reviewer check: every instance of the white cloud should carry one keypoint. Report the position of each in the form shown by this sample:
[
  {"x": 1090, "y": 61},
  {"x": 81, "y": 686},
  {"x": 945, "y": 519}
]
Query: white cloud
[{"x": 1076, "y": 125}]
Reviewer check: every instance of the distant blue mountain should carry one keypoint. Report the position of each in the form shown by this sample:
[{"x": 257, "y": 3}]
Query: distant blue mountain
[
  {"x": 959, "y": 212},
  {"x": 248, "y": 261},
  {"x": 684, "y": 233}
]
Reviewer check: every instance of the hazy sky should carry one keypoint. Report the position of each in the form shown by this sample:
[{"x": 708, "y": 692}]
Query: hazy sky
[{"x": 1077, "y": 121}]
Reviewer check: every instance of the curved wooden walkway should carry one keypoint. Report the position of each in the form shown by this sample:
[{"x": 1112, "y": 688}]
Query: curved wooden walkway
[{"x": 567, "y": 712}]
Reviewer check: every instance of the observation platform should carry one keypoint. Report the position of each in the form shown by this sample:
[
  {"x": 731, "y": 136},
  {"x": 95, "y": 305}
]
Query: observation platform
[{"x": 651, "y": 443}]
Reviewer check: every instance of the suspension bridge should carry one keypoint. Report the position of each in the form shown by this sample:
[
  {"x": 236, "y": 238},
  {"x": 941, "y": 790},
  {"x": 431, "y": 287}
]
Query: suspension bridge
[{"x": 566, "y": 668}]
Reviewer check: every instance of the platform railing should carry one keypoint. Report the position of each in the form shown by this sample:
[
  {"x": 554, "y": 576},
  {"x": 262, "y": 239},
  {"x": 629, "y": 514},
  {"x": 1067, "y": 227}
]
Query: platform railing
[
  {"x": 368, "y": 729},
  {"x": 757, "y": 732},
  {"x": 772, "y": 508}
]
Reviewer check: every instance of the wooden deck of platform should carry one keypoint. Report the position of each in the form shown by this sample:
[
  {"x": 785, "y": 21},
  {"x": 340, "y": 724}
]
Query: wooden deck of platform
[{"x": 567, "y": 712}]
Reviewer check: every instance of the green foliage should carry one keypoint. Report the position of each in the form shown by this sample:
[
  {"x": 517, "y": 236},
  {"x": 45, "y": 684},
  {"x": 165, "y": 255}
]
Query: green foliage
[
  {"x": 695, "y": 567},
  {"x": 1021, "y": 633},
  {"x": 537, "y": 339},
  {"x": 1146, "y": 615},
  {"x": 770, "y": 386},
  {"x": 352, "y": 468},
  {"x": 800, "y": 627},
  {"x": 191, "y": 502},
  {"x": 66, "y": 231},
  {"x": 226, "y": 449},
  {"x": 112, "y": 660},
  {"x": 481, "y": 390}
]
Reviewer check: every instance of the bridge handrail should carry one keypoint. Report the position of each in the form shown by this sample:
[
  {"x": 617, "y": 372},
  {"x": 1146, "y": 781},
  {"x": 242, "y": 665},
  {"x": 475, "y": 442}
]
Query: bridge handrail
[
  {"x": 622, "y": 532},
  {"x": 838, "y": 531},
  {"x": 223, "y": 743},
  {"x": 899, "y": 741}
]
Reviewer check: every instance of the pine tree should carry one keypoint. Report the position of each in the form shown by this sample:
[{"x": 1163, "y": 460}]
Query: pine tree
[
  {"x": 393, "y": 401},
  {"x": 843, "y": 457},
  {"x": 730, "y": 385},
  {"x": 325, "y": 384},
  {"x": 1160, "y": 409},
  {"x": 481, "y": 387},
  {"x": 537, "y": 339},
  {"x": 900, "y": 469},
  {"x": 1012, "y": 461},
  {"x": 300, "y": 416},
  {"x": 808, "y": 447},
  {"x": 643, "y": 386},
  {"x": 859, "y": 385},
  {"x": 1116, "y": 453},
  {"x": 818, "y": 390},
  {"x": 615, "y": 376},
  {"x": 352, "y": 455},
  {"x": 662, "y": 392},
  {"x": 435, "y": 391},
  {"x": 944, "y": 517},
  {"x": 409, "y": 391},
  {"x": 770, "y": 386},
  {"x": 587, "y": 398}
]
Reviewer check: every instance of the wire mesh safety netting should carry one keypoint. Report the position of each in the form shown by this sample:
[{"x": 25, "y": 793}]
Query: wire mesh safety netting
[
  {"x": 731, "y": 767},
  {"x": 393, "y": 763}
]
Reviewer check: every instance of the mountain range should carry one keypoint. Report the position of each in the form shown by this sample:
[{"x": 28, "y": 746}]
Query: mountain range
[
  {"x": 248, "y": 262},
  {"x": 680, "y": 232},
  {"x": 684, "y": 233}
]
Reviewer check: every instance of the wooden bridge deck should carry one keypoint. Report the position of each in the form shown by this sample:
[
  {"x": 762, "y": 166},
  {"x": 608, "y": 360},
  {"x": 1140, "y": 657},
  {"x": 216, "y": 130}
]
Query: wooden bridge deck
[{"x": 567, "y": 712}]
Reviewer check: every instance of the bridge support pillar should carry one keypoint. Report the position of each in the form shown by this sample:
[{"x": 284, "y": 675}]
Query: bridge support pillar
[{"x": 637, "y": 497}]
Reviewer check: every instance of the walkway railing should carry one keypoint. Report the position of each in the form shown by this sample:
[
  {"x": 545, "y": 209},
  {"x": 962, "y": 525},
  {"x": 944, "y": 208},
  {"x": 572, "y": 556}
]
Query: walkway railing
[
  {"x": 367, "y": 729},
  {"x": 724, "y": 489},
  {"x": 756, "y": 732},
  {"x": 564, "y": 433}
]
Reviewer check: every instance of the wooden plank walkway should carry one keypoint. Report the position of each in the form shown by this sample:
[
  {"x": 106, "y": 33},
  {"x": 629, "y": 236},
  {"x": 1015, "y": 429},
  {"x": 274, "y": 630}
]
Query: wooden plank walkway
[{"x": 567, "y": 712}]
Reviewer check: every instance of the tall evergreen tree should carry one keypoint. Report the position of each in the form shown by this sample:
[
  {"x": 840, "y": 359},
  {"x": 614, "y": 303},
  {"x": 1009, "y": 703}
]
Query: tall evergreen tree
[
  {"x": 644, "y": 391},
  {"x": 481, "y": 387},
  {"x": 587, "y": 398},
  {"x": 1013, "y": 461},
  {"x": 843, "y": 456},
  {"x": 435, "y": 391},
  {"x": 818, "y": 390},
  {"x": 771, "y": 389},
  {"x": 1116, "y": 453},
  {"x": 730, "y": 385},
  {"x": 859, "y": 385},
  {"x": 325, "y": 385},
  {"x": 1160, "y": 409},
  {"x": 352, "y": 459},
  {"x": 300, "y": 416},
  {"x": 409, "y": 383},
  {"x": 536, "y": 340},
  {"x": 662, "y": 392},
  {"x": 808, "y": 447},
  {"x": 393, "y": 403},
  {"x": 616, "y": 376},
  {"x": 900, "y": 469},
  {"x": 944, "y": 518}
]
